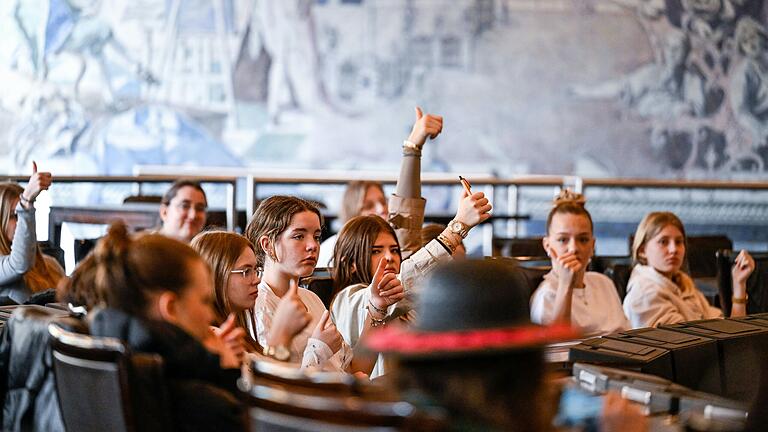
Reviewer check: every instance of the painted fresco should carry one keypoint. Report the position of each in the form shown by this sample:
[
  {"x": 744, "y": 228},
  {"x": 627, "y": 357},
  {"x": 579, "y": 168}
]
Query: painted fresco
[{"x": 634, "y": 88}]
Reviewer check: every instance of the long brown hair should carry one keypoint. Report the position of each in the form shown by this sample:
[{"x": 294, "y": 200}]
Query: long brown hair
[
  {"x": 354, "y": 198},
  {"x": 221, "y": 249},
  {"x": 271, "y": 218},
  {"x": 649, "y": 227},
  {"x": 129, "y": 271},
  {"x": 352, "y": 252},
  {"x": 42, "y": 275}
]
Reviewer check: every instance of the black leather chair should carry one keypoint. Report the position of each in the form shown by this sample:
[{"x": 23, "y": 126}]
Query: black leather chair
[
  {"x": 757, "y": 284},
  {"x": 83, "y": 247},
  {"x": 617, "y": 268},
  {"x": 320, "y": 283},
  {"x": 103, "y": 387},
  {"x": 52, "y": 250},
  {"x": 532, "y": 268},
  {"x": 518, "y": 246}
]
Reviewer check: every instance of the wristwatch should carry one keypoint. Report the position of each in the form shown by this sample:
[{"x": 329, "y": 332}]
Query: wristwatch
[
  {"x": 279, "y": 352},
  {"x": 458, "y": 227}
]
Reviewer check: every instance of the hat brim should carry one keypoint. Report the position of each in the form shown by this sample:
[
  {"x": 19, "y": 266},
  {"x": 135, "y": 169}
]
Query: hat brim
[{"x": 408, "y": 342}]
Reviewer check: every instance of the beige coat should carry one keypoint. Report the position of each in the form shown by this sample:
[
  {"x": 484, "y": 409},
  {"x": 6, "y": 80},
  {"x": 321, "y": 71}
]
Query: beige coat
[{"x": 653, "y": 299}]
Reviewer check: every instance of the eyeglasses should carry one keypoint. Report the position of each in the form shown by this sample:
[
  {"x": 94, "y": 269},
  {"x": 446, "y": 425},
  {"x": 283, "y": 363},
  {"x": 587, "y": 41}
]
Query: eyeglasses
[
  {"x": 185, "y": 206},
  {"x": 247, "y": 273}
]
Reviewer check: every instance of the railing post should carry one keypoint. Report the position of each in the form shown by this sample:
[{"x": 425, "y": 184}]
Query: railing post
[
  {"x": 250, "y": 196},
  {"x": 232, "y": 205}
]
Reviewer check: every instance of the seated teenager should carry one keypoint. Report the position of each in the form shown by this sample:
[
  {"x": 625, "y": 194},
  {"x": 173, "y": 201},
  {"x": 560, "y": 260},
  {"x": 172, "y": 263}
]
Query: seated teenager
[
  {"x": 24, "y": 269},
  {"x": 286, "y": 232},
  {"x": 183, "y": 210},
  {"x": 157, "y": 297},
  {"x": 232, "y": 260},
  {"x": 361, "y": 198},
  {"x": 473, "y": 355},
  {"x": 569, "y": 293},
  {"x": 659, "y": 291},
  {"x": 365, "y": 244}
]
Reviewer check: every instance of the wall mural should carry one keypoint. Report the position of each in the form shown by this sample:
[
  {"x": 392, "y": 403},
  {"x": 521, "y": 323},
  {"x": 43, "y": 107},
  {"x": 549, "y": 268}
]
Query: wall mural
[{"x": 636, "y": 88}]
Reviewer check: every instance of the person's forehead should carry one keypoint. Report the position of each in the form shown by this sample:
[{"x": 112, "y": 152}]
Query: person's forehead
[
  {"x": 373, "y": 192},
  {"x": 384, "y": 239},
  {"x": 569, "y": 222},
  {"x": 246, "y": 257},
  {"x": 189, "y": 193},
  {"x": 305, "y": 220},
  {"x": 670, "y": 231}
]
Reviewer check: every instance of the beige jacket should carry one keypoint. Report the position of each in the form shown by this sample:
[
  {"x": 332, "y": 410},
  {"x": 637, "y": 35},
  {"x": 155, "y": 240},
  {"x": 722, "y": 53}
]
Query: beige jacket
[{"x": 653, "y": 299}]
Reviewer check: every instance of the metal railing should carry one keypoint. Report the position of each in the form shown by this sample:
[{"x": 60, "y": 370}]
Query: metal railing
[{"x": 229, "y": 181}]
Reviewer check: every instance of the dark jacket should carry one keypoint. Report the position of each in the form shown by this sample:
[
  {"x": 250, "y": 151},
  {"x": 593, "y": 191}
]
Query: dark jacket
[
  {"x": 27, "y": 384},
  {"x": 202, "y": 393}
]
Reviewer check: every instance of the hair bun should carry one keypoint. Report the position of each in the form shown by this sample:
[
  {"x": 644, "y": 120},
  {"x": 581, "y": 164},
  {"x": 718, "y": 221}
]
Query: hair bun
[{"x": 567, "y": 196}]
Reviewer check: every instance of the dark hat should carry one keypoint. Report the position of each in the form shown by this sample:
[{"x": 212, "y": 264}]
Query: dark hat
[{"x": 470, "y": 306}]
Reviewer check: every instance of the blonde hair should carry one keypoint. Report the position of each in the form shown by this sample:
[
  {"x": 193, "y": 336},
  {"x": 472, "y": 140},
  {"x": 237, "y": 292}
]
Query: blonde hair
[
  {"x": 354, "y": 198},
  {"x": 42, "y": 274},
  {"x": 221, "y": 249},
  {"x": 649, "y": 227},
  {"x": 568, "y": 202}
]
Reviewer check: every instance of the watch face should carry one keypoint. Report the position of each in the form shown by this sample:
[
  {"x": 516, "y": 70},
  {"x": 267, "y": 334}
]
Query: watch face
[{"x": 456, "y": 227}]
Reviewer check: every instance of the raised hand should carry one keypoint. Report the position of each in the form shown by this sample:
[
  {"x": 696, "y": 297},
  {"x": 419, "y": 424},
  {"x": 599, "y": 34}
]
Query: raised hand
[
  {"x": 426, "y": 125},
  {"x": 566, "y": 266},
  {"x": 228, "y": 341},
  {"x": 743, "y": 266},
  {"x": 325, "y": 330},
  {"x": 473, "y": 209},
  {"x": 291, "y": 317},
  {"x": 38, "y": 182},
  {"x": 385, "y": 288}
]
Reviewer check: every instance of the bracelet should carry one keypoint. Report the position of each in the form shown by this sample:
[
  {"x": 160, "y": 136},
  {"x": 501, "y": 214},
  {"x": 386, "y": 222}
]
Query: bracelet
[
  {"x": 376, "y": 322},
  {"x": 381, "y": 311},
  {"x": 24, "y": 199},
  {"x": 447, "y": 243},
  {"x": 743, "y": 300},
  {"x": 411, "y": 149}
]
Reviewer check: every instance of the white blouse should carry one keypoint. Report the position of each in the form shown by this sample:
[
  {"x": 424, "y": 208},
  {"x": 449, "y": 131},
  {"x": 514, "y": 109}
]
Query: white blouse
[
  {"x": 595, "y": 309},
  {"x": 653, "y": 299},
  {"x": 308, "y": 351}
]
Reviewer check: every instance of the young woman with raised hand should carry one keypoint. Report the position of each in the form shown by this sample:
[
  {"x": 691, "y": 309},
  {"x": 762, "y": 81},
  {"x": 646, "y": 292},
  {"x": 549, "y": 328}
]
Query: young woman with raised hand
[
  {"x": 232, "y": 259},
  {"x": 370, "y": 276},
  {"x": 24, "y": 269},
  {"x": 158, "y": 296},
  {"x": 286, "y": 232},
  {"x": 659, "y": 291},
  {"x": 569, "y": 293}
]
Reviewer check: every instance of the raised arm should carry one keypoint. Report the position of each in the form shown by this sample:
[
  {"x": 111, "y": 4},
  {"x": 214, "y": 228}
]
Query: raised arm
[
  {"x": 406, "y": 207},
  {"x": 23, "y": 246}
]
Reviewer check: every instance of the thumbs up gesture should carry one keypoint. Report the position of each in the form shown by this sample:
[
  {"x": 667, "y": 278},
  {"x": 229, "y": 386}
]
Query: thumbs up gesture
[
  {"x": 325, "y": 330},
  {"x": 426, "y": 125},
  {"x": 385, "y": 288},
  {"x": 38, "y": 182},
  {"x": 291, "y": 317}
]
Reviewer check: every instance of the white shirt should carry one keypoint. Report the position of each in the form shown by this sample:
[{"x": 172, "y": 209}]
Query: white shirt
[
  {"x": 348, "y": 309},
  {"x": 325, "y": 257},
  {"x": 310, "y": 352},
  {"x": 595, "y": 309},
  {"x": 653, "y": 299}
]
